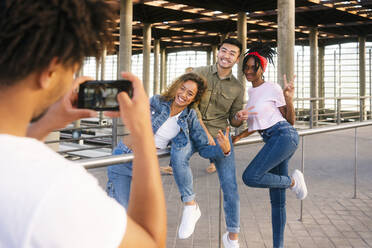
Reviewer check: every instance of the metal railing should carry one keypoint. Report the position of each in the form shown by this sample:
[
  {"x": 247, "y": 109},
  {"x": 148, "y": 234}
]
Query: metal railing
[
  {"x": 314, "y": 114},
  {"x": 117, "y": 159}
]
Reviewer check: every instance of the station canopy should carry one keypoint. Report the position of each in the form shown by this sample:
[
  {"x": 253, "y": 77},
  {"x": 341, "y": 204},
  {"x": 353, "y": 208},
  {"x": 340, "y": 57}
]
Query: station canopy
[{"x": 200, "y": 24}]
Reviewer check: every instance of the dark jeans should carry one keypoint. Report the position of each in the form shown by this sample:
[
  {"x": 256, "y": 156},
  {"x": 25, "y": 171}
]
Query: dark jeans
[{"x": 269, "y": 169}]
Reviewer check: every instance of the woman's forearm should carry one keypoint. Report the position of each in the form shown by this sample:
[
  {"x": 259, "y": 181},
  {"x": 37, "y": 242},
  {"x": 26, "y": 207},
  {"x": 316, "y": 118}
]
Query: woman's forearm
[{"x": 290, "y": 115}]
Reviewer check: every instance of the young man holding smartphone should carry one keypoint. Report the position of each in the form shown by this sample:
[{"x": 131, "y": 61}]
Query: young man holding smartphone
[{"x": 47, "y": 201}]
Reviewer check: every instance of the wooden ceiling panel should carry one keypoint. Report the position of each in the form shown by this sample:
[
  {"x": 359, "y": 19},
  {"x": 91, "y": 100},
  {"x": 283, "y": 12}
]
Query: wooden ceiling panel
[{"x": 180, "y": 23}]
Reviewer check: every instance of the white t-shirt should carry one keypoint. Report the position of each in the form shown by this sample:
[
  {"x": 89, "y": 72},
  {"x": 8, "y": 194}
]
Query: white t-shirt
[
  {"x": 167, "y": 131},
  {"x": 47, "y": 201},
  {"x": 266, "y": 99}
]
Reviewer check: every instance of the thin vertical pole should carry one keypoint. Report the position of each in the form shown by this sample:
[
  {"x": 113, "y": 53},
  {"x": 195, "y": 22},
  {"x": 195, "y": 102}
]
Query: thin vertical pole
[
  {"x": 297, "y": 62},
  {"x": 311, "y": 113},
  {"x": 303, "y": 171},
  {"x": 355, "y": 163},
  {"x": 338, "y": 110},
  {"x": 370, "y": 86},
  {"x": 220, "y": 219},
  {"x": 334, "y": 82},
  {"x": 339, "y": 83},
  {"x": 114, "y": 133},
  {"x": 303, "y": 78},
  {"x": 339, "y": 70}
]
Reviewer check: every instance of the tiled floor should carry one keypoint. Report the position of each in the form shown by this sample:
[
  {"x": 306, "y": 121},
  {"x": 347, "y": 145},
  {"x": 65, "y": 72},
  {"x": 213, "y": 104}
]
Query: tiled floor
[{"x": 331, "y": 217}]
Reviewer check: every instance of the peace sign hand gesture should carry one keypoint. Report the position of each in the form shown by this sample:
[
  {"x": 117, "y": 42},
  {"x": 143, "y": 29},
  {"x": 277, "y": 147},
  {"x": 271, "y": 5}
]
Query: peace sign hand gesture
[
  {"x": 223, "y": 140},
  {"x": 289, "y": 89}
]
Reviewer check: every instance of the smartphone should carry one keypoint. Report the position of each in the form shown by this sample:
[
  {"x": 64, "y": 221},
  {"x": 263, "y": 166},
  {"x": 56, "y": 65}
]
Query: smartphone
[{"x": 101, "y": 95}]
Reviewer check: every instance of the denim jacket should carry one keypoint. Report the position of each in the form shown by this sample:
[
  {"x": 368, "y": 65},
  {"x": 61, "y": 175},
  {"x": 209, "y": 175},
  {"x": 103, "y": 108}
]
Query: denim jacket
[{"x": 191, "y": 137}]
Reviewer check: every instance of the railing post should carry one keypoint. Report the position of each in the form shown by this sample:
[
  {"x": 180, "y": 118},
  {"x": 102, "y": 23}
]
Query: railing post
[
  {"x": 220, "y": 220},
  {"x": 361, "y": 108},
  {"x": 355, "y": 163},
  {"x": 302, "y": 170},
  {"x": 311, "y": 110},
  {"x": 114, "y": 140},
  {"x": 338, "y": 111}
]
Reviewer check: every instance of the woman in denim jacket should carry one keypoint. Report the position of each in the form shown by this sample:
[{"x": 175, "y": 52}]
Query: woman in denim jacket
[
  {"x": 175, "y": 122},
  {"x": 274, "y": 121}
]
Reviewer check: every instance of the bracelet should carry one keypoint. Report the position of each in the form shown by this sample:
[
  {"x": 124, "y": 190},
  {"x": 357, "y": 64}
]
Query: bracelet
[{"x": 236, "y": 118}]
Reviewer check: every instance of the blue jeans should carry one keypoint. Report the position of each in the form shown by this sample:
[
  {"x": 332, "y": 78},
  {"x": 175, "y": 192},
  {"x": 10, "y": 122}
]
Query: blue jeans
[
  {"x": 227, "y": 176},
  {"x": 231, "y": 202},
  {"x": 118, "y": 187},
  {"x": 120, "y": 177},
  {"x": 269, "y": 169}
]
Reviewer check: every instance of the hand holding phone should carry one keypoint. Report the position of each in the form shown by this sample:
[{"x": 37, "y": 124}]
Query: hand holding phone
[{"x": 102, "y": 95}]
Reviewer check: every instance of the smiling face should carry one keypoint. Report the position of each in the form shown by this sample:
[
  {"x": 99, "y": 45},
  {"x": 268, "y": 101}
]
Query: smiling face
[
  {"x": 227, "y": 56},
  {"x": 249, "y": 71},
  {"x": 185, "y": 94}
]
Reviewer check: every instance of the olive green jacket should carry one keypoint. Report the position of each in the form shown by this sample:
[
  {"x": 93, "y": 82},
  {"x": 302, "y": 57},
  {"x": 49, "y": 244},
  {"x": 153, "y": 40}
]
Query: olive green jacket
[{"x": 222, "y": 100}]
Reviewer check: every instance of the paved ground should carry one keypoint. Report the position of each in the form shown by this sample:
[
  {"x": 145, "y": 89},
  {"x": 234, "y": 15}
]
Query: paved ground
[{"x": 331, "y": 217}]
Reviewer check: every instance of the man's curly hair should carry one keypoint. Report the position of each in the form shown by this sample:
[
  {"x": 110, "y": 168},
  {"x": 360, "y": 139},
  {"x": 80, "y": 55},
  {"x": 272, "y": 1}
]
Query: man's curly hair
[{"x": 32, "y": 33}]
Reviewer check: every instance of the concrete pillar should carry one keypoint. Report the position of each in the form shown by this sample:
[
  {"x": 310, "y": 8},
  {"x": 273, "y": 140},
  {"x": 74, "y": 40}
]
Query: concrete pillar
[
  {"x": 286, "y": 39},
  {"x": 313, "y": 40},
  {"x": 214, "y": 53},
  {"x": 242, "y": 37},
  {"x": 209, "y": 53},
  {"x": 97, "y": 69},
  {"x": 156, "y": 66},
  {"x": 124, "y": 59},
  {"x": 146, "y": 57},
  {"x": 117, "y": 64},
  {"x": 362, "y": 77},
  {"x": 103, "y": 68},
  {"x": 103, "y": 64},
  {"x": 163, "y": 70},
  {"x": 125, "y": 48},
  {"x": 321, "y": 86}
]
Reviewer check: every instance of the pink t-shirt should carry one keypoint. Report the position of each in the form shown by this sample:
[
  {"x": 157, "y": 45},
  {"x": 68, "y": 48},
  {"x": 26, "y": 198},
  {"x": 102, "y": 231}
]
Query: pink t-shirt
[{"x": 266, "y": 99}]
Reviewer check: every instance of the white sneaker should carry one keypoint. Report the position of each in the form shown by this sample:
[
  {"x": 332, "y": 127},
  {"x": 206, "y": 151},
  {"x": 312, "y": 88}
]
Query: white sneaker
[
  {"x": 299, "y": 188},
  {"x": 190, "y": 216},
  {"x": 228, "y": 243}
]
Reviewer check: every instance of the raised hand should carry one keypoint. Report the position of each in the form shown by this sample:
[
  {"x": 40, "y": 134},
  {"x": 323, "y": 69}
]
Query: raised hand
[
  {"x": 243, "y": 114},
  {"x": 223, "y": 140},
  {"x": 289, "y": 88},
  {"x": 135, "y": 111},
  {"x": 61, "y": 113}
]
